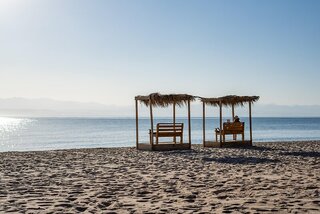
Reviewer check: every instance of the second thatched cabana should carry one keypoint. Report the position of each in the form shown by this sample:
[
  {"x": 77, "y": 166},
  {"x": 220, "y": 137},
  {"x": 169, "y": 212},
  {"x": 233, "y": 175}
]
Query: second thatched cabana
[
  {"x": 228, "y": 101},
  {"x": 169, "y": 130}
]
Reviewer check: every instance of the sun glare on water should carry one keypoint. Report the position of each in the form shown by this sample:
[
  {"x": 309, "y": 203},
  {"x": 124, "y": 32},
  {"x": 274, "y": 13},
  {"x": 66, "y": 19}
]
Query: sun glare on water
[{"x": 10, "y": 125}]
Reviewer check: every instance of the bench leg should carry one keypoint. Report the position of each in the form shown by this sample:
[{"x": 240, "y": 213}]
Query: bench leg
[
  {"x": 181, "y": 139},
  {"x": 242, "y": 137},
  {"x": 157, "y": 140},
  {"x": 224, "y": 138},
  {"x": 150, "y": 137},
  {"x": 216, "y": 137}
]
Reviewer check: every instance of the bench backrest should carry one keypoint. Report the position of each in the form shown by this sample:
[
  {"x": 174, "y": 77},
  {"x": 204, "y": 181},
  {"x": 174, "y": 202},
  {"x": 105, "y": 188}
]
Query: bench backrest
[
  {"x": 169, "y": 127},
  {"x": 233, "y": 127}
]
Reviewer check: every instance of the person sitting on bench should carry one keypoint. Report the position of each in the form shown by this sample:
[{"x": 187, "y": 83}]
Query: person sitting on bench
[{"x": 236, "y": 119}]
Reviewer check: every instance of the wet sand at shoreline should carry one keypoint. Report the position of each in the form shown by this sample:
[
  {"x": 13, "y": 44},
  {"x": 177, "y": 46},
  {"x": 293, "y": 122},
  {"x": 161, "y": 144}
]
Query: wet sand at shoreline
[{"x": 269, "y": 177}]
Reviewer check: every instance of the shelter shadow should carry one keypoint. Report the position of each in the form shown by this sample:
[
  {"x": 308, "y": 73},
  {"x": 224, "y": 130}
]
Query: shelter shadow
[
  {"x": 240, "y": 160},
  {"x": 303, "y": 154},
  {"x": 258, "y": 148}
]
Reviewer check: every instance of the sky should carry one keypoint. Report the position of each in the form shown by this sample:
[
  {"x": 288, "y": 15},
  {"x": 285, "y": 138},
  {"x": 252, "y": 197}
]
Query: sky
[{"x": 110, "y": 51}]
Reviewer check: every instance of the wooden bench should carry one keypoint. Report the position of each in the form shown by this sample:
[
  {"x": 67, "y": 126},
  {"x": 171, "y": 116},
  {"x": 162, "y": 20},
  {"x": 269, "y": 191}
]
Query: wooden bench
[
  {"x": 168, "y": 130},
  {"x": 231, "y": 129}
]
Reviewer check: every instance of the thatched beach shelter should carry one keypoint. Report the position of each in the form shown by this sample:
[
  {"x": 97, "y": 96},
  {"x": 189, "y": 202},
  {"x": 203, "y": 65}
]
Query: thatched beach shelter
[
  {"x": 228, "y": 128},
  {"x": 167, "y": 130}
]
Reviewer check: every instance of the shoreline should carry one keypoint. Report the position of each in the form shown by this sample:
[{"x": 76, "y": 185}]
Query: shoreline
[
  {"x": 257, "y": 143},
  {"x": 268, "y": 177}
]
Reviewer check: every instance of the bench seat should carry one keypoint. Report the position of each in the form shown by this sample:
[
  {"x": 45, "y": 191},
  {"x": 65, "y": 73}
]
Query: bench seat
[
  {"x": 234, "y": 128},
  {"x": 167, "y": 130}
]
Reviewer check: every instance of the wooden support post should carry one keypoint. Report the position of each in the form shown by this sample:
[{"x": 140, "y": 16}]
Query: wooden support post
[
  {"x": 234, "y": 136},
  {"x": 250, "y": 122},
  {"x": 137, "y": 126},
  {"x": 204, "y": 123},
  {"x": 189, "y": 124},
  {"x": 151, "y": 120},
  {"x": 174, "y": 122},
  {"x": 232, "y": 112},
  {"x": 220, "y": 105}
]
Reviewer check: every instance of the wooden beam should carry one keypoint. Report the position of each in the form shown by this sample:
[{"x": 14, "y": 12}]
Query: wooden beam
[
  {"x": 204, "y": 122},
  {"x": 189, "y": 124},
  {"x": 220, "y": 106},
  {"x": 151, "y": 120},
  {"x": 234, "y": 136},
  {"x": 137, "y": 125},
  {"x": 232, "y": 112},
  {"x": 250, "y": 122},
  {"x": 174, "y": 120}
]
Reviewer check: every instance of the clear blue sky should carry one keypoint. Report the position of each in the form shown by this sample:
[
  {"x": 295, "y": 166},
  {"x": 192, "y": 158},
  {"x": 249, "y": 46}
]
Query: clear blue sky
[{"x": 110, "y": 51}]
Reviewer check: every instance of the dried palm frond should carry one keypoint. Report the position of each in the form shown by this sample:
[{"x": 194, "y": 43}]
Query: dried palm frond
[
  {"x": 163, "y": 100},
  {"x": 230, "y": 100}
]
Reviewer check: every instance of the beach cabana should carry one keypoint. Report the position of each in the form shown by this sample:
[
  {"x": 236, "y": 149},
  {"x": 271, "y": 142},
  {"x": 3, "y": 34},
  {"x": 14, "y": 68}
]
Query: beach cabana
[
  {"x": 172, "y": 130},
  {"x": 228, "y": 128}
]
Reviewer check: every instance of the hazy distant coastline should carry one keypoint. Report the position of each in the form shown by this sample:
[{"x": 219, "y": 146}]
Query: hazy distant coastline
[{"x": 42, "y": 107}]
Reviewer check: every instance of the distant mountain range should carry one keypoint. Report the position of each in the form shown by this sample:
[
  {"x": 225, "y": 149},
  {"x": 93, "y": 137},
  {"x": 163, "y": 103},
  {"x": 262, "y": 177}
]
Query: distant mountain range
[
  {"x": 43, "y": 107},
  {"x": 22, "y": 107}
]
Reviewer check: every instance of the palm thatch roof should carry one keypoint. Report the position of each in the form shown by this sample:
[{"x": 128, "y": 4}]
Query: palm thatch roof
[
  {"x": 163, "y": 100},
  {"x": 230, "y": 100}
]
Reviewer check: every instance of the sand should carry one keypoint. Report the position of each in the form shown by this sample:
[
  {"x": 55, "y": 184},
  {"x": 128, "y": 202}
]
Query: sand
[{"x": 269, "y": 177}]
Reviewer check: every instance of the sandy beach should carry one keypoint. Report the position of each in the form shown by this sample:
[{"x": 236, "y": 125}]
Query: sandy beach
[{"x": 269, "y": 177}]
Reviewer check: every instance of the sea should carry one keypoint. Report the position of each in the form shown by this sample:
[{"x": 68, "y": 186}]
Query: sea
[{"x": 36, "y": 134}]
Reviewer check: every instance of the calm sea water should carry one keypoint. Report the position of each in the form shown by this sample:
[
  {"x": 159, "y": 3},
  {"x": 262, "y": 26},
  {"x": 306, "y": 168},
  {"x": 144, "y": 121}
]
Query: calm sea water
[{"x": 25, "y": 134}]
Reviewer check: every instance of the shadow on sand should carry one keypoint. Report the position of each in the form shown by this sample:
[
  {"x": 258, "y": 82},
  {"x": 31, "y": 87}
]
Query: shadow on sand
[
  {"x": 195, "y": 154},
  {"x": 255, "y": 148},
  {"x": 240, "y": 160},
  {"x": 302, "y": 154}
]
